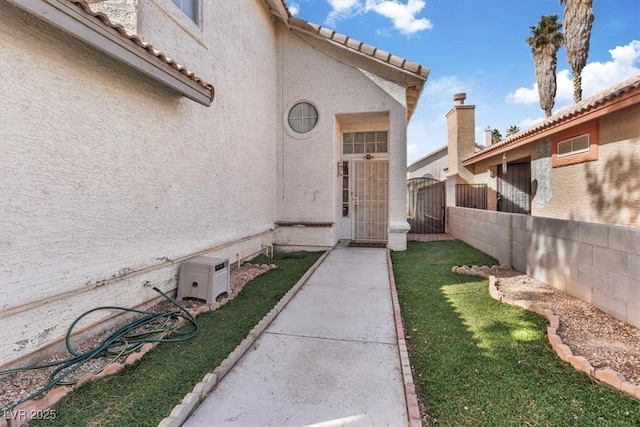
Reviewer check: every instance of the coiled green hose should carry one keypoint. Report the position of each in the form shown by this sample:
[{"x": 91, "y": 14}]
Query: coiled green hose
[{"x": 163, "y": 327}]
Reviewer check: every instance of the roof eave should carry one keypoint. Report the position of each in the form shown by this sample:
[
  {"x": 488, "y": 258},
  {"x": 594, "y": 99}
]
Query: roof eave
[
  {"x": 279, "y": 9},
  {"x": 416, "y": 74},
  {"x": 623, "y": 100},
  {"x": 72, "y": 19}
]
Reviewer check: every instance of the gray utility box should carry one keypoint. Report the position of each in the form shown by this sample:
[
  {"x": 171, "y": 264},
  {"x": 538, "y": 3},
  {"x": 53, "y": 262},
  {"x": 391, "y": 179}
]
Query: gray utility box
[{"x": 203, "y": 278}]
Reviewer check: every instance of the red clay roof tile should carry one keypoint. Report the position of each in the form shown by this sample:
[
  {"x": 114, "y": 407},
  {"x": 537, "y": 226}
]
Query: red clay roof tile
[
  {"x": 350, "y": 43},
  {"x": 82, "y": 4},
  {"x": 561, "y": 116}
]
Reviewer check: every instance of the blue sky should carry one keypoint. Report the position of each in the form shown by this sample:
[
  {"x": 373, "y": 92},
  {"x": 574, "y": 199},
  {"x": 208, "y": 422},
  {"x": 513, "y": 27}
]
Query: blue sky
[{"x": 479, "y": 47}]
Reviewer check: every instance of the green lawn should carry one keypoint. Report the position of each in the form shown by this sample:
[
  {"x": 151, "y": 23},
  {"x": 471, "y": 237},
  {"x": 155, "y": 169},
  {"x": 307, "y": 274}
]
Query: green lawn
[
  {"x": 145, "y": 393},
  {"x": 479, "y": 362}
]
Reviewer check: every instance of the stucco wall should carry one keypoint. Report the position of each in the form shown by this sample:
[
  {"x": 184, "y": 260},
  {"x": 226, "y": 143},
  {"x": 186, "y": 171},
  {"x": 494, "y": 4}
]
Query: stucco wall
[
  {"x": 108, "y": 178},
  {"x": 597, "y": 263},
  {"x": 605, "y": 191},
  {"x": 435, "y": 167},
  {"x": 336, "y": 82}
]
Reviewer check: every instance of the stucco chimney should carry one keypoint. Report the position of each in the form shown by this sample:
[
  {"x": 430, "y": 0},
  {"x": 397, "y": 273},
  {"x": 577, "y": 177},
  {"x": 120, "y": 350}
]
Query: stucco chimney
[
  {"x": 488, "y": 140},
  {"x": 461, "y": 137},
  {"x": 459, "y": 98}
]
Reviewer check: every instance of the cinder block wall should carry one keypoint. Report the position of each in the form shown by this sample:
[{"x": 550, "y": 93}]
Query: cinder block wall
[
  {"x": 488, "y": 231},
  {"x": 597, "y": 263}
]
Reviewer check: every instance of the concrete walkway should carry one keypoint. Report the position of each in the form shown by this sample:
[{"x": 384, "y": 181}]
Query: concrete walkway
[{"x": 330, "y": 358}]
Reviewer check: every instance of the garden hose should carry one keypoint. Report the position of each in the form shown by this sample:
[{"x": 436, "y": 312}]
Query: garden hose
[{"x": 156, "y": 327}]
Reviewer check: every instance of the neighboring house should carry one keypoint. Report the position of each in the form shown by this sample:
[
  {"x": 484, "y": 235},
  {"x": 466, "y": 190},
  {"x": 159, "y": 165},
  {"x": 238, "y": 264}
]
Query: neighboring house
[
  {"x": 118, "y": 163},
  {"x": 566, "y": 206},
  {"x": 580, "y": 164},
  {"x": 433, "y": 165}
]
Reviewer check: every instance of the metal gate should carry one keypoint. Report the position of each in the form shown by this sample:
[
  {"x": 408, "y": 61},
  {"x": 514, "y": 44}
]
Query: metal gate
[
  {"x": 514, "y": 188},
  {"x": 370, "y": 200},
  {"x": 472, "y": 196},
  {"x": 426, "y": 205}
]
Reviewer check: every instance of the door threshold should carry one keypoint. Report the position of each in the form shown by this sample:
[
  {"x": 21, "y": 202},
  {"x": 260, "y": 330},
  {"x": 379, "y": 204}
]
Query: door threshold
[{"x": 357, "y": 244}]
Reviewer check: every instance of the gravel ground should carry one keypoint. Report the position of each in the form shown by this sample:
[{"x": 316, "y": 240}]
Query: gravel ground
[
  {"x": 599, "y": 337},
  {"x": 17, "y": 386}
]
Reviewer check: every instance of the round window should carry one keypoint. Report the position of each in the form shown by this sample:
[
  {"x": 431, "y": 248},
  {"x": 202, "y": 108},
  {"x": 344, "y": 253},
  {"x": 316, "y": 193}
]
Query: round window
[{"x": 303, "y": 117}]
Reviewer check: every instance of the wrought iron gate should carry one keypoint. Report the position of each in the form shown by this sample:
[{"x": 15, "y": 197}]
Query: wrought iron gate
[
  {"x": 472, "y": 196},
  {"x": 514, "y": 188},
  {"x": 426, "y": 205}
]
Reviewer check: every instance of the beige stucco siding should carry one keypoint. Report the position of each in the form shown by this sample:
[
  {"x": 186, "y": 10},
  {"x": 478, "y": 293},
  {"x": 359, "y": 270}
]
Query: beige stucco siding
[
  {"x": 605, "y": 191},
  {"x": 105, "y": 173},
  {"x": 307, "y": 165},
  {"x": 435, "y": 168}
]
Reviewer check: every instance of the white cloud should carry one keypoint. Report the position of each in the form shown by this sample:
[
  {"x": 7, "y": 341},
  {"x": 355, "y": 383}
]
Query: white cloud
[
  {"x": 524, "y": 95},
  {"x": 402, "y": 15},
  {"x": 342, "y": 9},
  {"x": 294, "y": 8},
  {"x": 596, "y": 76},
  {"x": 446, "y": 85},
  {"x": 412, "y": 149}
]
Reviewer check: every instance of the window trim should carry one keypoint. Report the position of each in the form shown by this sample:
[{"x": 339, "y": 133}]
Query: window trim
[
  {"x": 591, "y": 154},
  {"x": 302, "y": 118},
  {"x": 365, "y": 155},
  {"x": 285, "y": 118},
  {"x": 573, "y": 152}
]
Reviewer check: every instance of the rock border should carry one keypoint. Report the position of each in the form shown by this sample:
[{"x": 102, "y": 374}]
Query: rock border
[
  {"x": 411, "y": 397},
  {"x": 580, "y": 363},
  {"x": 27, "y": 411},
  {"x": 201, "y": 390}
]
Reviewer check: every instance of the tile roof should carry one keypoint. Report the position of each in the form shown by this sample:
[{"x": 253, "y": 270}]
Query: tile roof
[
  {"x": 82, "y": 4},
  {"x": 358, "y": 46},
  {"x": 581, "y": 108}
]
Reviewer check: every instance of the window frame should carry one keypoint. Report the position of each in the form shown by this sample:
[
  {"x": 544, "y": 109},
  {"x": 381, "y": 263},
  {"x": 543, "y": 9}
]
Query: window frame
[
  {"x": 196, "y": 10},
  {"x": 366, "y": 142},
  {"x": 579, "y": 156},
  {"x": 303, "y": 117},
  {"x": 285, "y": 118}
]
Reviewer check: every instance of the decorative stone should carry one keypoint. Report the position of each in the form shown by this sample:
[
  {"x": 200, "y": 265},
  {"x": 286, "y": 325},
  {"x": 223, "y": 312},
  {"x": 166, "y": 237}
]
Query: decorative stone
[
  {"x": 210, "y": 380},
  {"x": 134, "y": 357},
  {"x": 564, "y": 352},
  {"x": 111, "y": 369},
  {"x": 610, "y": 377},
  {"x": 581, "y": 364},
  {"x": 85, "y": 379},
  {"x": 54, "y": 395}
]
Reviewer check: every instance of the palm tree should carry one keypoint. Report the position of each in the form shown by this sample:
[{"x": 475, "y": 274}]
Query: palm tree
[
  {"x": 513, "y": 130},
  {"x": 496, "y": 136},
  {"x": 578, "y": 20},
  {"x": 545, "y": 41}
]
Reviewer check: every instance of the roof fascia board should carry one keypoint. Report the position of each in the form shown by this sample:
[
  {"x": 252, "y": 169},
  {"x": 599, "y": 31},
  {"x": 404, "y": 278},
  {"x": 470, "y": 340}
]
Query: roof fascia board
[
  {"x": 279, "y": 7},
  {"x": 414, "y": 78},
  {"x": 71, "y": 19},
  {"x": 626, "y": 100}
]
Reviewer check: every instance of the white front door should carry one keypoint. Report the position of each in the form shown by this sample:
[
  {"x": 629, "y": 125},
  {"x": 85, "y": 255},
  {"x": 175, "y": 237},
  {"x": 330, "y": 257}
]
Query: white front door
[{"x": 370, "y": 200}]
